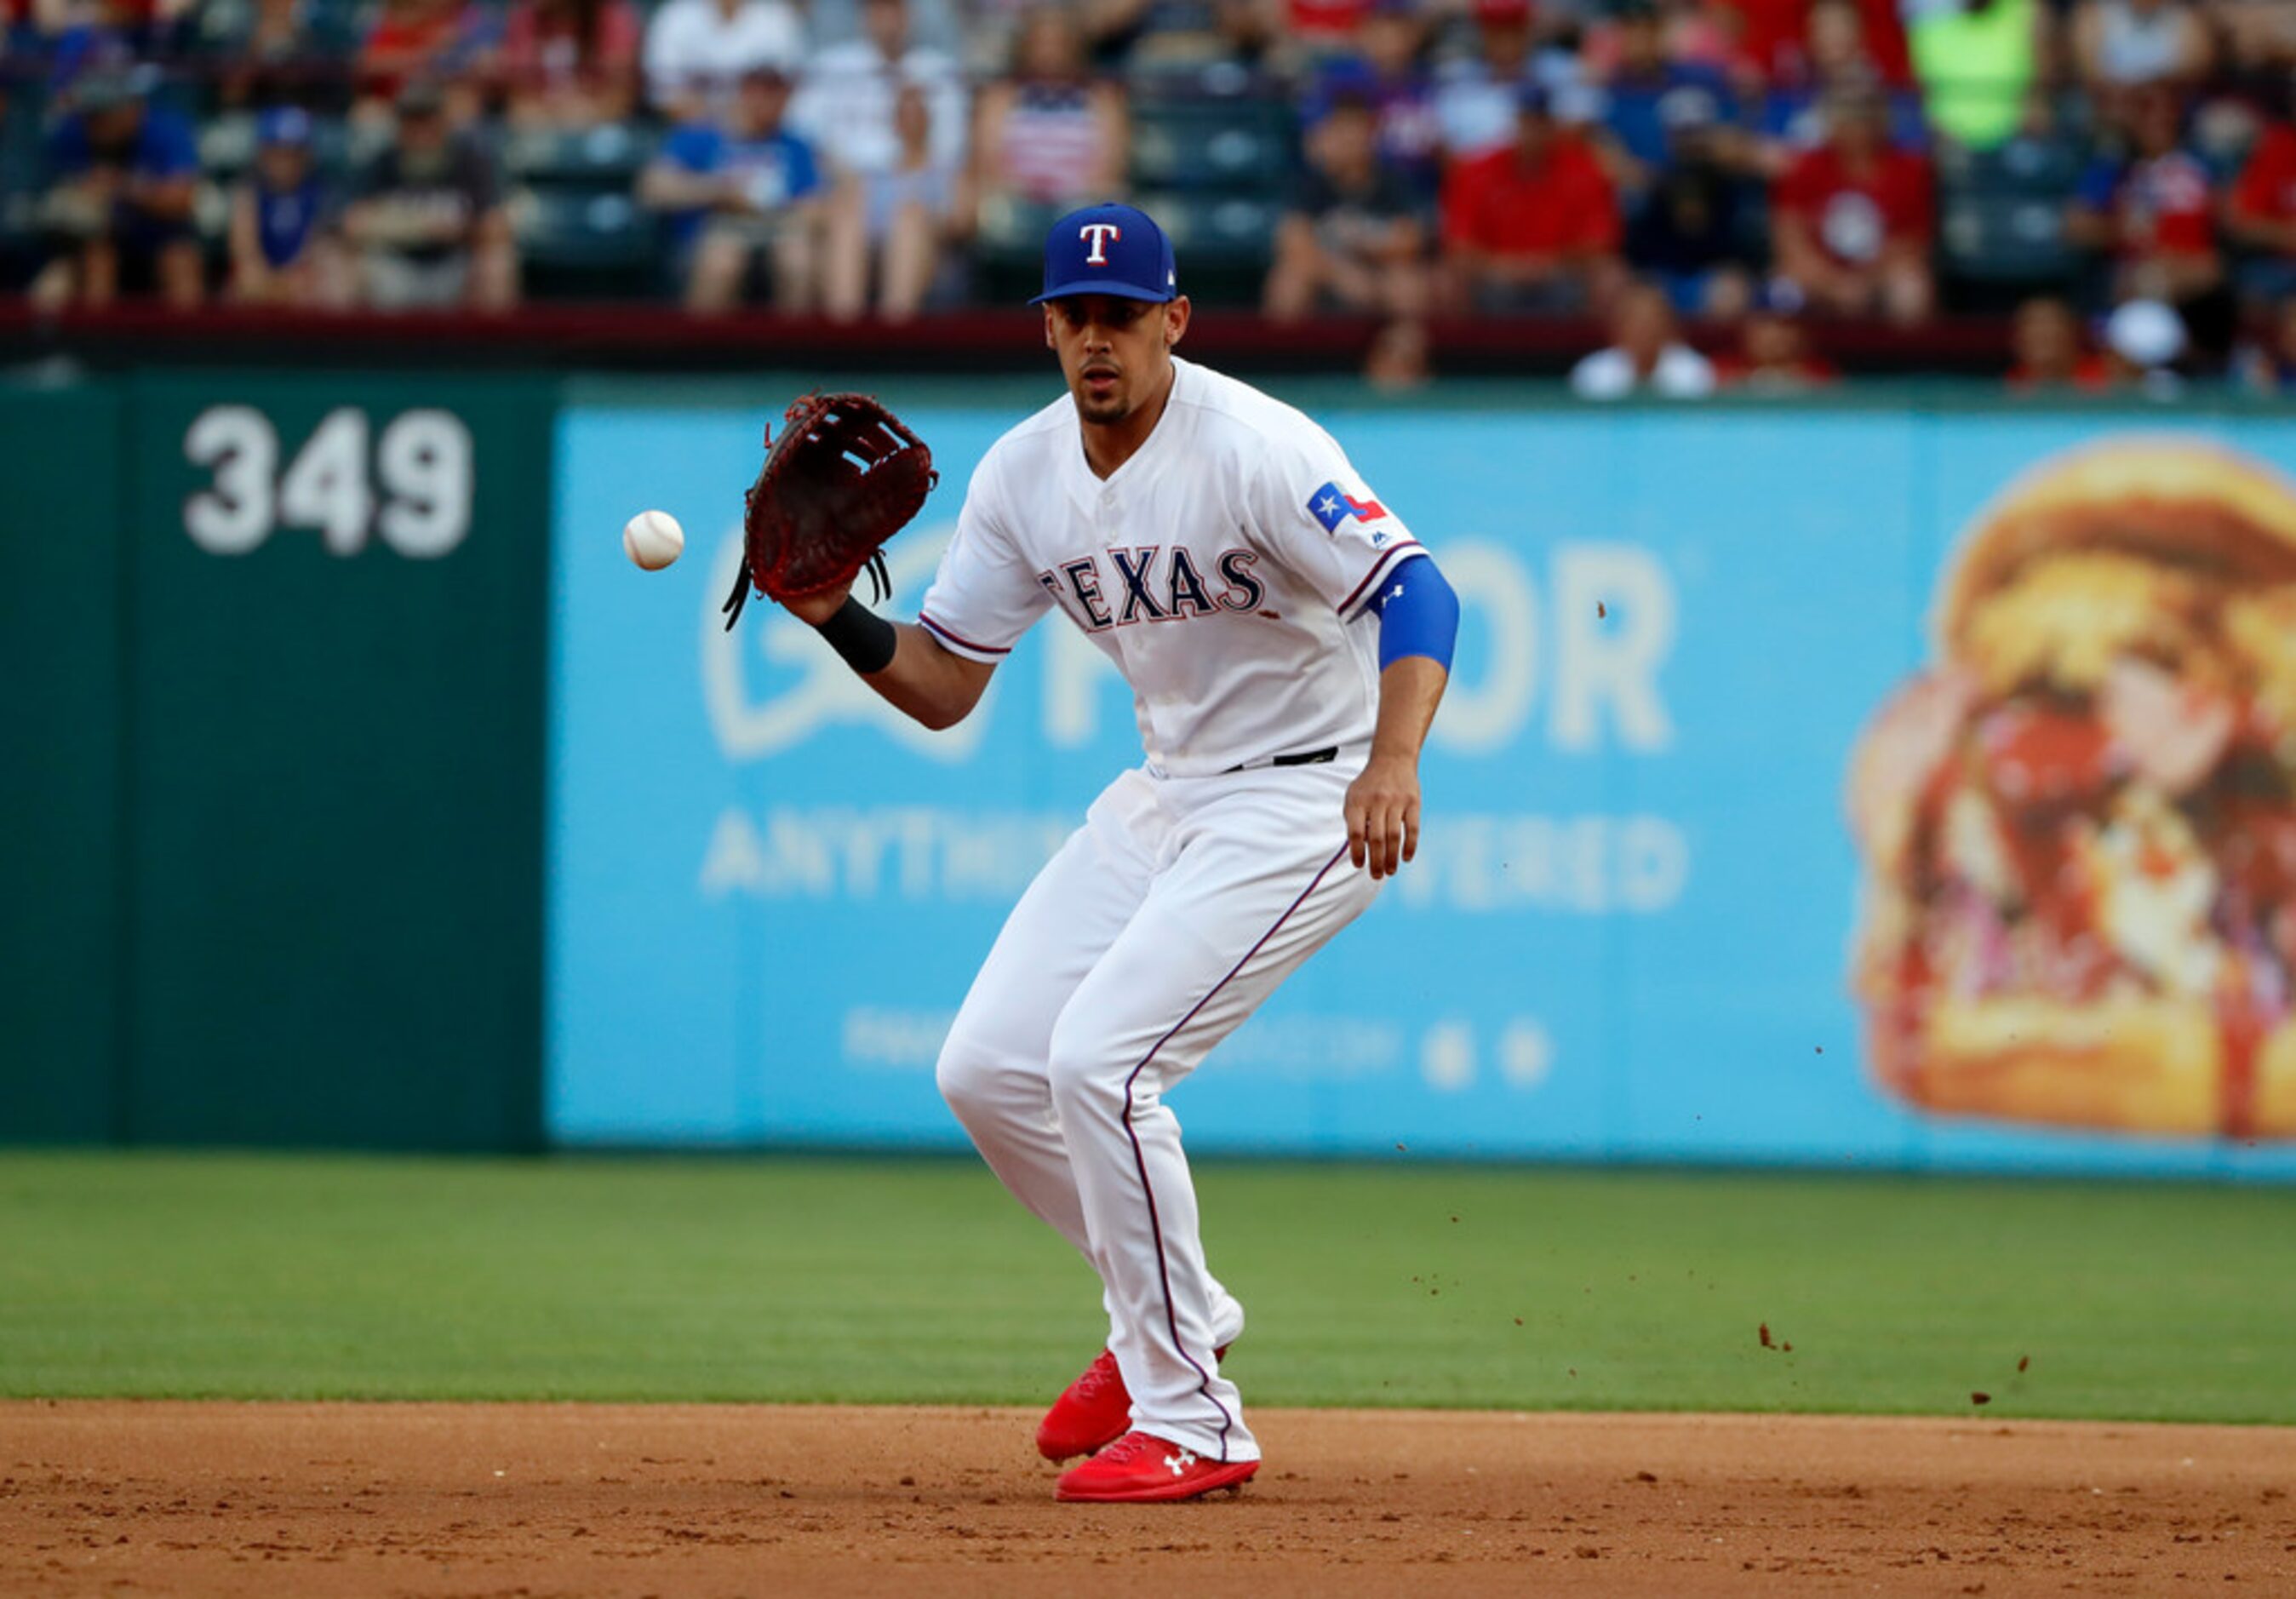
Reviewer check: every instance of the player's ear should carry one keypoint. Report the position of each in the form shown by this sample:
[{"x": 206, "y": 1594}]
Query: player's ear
[
  {"x": 1176, "y": 321},
  {"x": 1048, "y": 329}
]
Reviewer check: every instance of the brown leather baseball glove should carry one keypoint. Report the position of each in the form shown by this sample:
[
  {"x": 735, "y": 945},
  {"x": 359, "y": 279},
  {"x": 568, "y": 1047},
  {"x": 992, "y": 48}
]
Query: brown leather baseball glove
[{"x": 844, "y": 477}]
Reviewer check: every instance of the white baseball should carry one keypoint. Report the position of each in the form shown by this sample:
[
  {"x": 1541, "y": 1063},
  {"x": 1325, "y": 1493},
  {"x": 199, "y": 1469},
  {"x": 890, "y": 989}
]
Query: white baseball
[{"x": 652, "y": 539}]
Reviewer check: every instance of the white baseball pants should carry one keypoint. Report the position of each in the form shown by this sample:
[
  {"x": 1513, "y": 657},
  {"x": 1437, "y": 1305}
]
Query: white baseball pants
[{"x": 1159, "y": 927}]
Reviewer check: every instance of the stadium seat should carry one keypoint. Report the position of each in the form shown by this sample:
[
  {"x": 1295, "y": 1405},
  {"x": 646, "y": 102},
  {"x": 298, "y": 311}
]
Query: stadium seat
[
  {"x": 583, "y": 241},
  {"x": 2030, "y": 168},
  {"x": 1224, "y": 243},
  {"x": 1200, "y": 144},
  {"x": 1750, "y": 233},
  {"x": 611, "y": 153},
  {"x": 2006, "y": 241},
  {"x": 227, "y": 145},
  {"x": 20, "y": 175},
  {"x": 2222, "y": 135},
  {"x": 362, "y": 145},
  {"x": 1008, "y": 245}
]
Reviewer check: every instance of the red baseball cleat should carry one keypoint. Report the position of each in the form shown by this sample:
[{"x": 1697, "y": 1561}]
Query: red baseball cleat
[
  {"x": 1094, "y": 1413},
  {"x": 1091, "y": 1414},
  {"x": 1141, "y": 1469}
]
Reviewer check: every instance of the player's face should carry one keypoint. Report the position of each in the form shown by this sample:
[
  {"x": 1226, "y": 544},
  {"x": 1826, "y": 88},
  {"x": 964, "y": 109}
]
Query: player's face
[{"x": 1115, "y": 353}]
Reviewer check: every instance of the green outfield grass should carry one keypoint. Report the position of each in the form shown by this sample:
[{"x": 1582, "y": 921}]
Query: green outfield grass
[{"x": 1393, "y": 1284}]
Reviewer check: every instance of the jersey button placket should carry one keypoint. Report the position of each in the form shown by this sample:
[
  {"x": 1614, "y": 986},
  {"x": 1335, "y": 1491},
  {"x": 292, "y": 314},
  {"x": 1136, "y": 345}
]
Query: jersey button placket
[{"x": 1109, "y": 530}]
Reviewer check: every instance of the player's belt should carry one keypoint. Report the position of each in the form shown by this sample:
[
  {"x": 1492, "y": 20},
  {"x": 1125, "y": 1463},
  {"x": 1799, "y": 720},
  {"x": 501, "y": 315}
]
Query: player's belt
[{"x": 1306, "y": 757}]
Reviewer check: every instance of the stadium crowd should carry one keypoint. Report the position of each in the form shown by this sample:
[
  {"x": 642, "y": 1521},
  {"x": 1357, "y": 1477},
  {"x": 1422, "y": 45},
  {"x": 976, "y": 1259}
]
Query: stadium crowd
[{"x": 2119, "y": 175}]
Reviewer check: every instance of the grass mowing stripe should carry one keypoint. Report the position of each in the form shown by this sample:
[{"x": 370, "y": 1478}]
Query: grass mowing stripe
[{"x": 787, "y": 1279}]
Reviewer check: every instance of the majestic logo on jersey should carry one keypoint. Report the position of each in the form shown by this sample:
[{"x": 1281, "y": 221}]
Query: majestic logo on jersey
[
  {"x": 1157, "y": 583},
  {"x": 1330, "y": 505},
  {"x": 1099, "y": 235}
]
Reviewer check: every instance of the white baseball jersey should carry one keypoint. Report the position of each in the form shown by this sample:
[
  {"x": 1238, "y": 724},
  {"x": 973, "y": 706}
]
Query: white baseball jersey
[{"x": 1223, "y": 569}]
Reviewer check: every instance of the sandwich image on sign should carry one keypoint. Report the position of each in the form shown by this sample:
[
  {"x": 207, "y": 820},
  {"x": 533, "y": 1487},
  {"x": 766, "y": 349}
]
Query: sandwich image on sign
[{"x": 2078, "y": 825}]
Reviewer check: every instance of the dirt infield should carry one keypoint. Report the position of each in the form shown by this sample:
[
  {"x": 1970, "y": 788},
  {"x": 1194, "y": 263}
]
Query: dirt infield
[{"x": 533, "y": 1500}]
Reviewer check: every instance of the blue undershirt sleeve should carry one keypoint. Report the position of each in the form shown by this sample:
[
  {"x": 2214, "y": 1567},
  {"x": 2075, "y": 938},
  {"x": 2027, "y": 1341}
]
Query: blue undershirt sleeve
[{"x": 1418, "y": 614}]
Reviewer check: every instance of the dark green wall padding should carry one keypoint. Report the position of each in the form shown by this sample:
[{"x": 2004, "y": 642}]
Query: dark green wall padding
[
  {"x": 61, "y": 753},
  {"x": 270, "y": 819}
]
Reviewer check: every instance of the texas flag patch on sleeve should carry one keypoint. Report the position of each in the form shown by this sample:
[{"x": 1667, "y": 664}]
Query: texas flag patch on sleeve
[{"x": 1332, "y": 506}]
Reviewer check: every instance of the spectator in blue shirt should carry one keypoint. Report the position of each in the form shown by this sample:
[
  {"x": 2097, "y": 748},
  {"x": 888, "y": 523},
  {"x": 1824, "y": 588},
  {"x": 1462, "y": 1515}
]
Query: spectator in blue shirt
[
  {"x": 1383, "y": 68},
  {"x": 738, "y": 191},
  {"x": 1638, "y": 97},
  {"x": 283, "y": 219},
  {"x": 122, "y": 179}
]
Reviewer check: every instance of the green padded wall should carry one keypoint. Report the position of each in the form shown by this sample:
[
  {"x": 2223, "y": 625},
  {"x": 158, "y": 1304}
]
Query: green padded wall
[
  {"x": 60, "y": 730},
  {"x": 336, "y": 675}
]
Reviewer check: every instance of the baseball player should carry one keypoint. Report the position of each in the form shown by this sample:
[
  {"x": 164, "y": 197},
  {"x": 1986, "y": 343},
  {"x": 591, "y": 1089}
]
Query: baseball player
[{"x": 1286, "y": 640}]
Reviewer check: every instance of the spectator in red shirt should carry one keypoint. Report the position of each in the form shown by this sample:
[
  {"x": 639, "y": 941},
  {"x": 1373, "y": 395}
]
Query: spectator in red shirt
[
  {"x": 2268, "y": 365},
  {"x": 1790, "y": 118},
  {"x": 570, "y": 64},
  {"x": 1851, "y": 220},
  {"x": 2262, "y": 216},
  {"x": 1772, "y": 44},
  {"x": 2051, "y": 353},
  {"x": 2152, "y": 212},
  {"x": 1323, "y": 26},
  {"x": 1774, "y": 357},
  {"x": 435, "y": 41},
  {"x": 1535, "y": 225}
]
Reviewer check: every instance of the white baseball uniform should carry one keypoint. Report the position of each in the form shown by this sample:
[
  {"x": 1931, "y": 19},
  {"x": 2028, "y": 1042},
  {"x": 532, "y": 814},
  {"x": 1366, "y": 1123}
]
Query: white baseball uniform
[{"x": 1225, "y": 569}]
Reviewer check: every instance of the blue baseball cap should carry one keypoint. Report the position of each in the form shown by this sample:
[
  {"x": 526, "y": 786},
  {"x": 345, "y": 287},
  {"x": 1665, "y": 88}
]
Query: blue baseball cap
[
  {"x": 284, "y": 125},
  {"x": 1109, "y": 249}
]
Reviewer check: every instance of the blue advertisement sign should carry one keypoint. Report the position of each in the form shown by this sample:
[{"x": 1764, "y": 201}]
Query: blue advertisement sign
[{"x": 1640, "y": 901}]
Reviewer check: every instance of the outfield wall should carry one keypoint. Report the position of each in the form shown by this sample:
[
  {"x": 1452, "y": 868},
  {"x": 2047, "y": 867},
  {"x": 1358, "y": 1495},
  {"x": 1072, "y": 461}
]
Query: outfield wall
[
  {"x": 270, "y": 867},
  {"x": 1627, "y": 936},
  {"x": 364, "y": 796}
]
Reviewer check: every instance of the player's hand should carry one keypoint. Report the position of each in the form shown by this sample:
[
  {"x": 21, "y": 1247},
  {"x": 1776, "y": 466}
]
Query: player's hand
[
  {"x": 1382, "y": 812},
  {"x": 817, "y": 608}
]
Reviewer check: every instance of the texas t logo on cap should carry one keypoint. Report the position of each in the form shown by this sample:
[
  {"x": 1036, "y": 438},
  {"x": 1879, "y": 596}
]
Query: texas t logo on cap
[
  {"x": 1098, "y": 234},
  {"x": 1109, "y": 249}
]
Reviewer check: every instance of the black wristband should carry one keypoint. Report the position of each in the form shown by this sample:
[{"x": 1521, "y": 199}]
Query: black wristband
[{"x": 865, "y": 640}]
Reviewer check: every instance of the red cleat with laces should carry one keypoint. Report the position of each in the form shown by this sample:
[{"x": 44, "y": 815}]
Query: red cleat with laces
[
  {"x": 1142, "y": 1469},
  {"x": 1093, "y": 1414}
]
